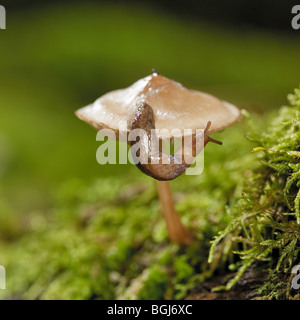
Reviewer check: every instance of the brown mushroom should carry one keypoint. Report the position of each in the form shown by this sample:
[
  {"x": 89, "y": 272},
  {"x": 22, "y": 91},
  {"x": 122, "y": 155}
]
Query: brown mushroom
[{"x": 156, "y": 102}]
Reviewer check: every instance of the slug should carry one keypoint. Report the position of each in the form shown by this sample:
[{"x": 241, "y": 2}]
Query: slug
[{"x": 159, "y": 165}]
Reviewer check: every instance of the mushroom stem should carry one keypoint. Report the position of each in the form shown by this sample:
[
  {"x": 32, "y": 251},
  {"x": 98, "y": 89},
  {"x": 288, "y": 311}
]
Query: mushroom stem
[{"x": 178, "y": 233}]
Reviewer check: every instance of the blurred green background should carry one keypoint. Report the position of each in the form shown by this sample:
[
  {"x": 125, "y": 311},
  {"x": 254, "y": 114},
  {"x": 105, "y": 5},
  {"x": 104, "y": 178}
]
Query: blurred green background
[{"x": 57, "y": 57}]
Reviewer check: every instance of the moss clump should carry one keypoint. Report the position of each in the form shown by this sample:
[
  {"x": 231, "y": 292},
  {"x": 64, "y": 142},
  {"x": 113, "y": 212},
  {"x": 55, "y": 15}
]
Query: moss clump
[
  {"x": 266, "y": 223},
  {"x": 154, "y": 285},
  {"x": 183, "y": 269}
]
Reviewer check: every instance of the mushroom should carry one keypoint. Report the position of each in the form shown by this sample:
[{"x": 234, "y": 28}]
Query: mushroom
[{"x": 156, "y": 102}]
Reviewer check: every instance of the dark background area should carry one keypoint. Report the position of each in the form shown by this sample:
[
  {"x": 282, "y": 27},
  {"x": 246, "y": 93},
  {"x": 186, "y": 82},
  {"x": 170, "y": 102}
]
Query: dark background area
[{"x": 263, "y": 14}]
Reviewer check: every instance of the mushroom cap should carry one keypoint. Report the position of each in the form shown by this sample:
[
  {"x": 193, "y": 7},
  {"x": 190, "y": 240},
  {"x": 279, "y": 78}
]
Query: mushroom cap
[{"x": 174, "y": 106}]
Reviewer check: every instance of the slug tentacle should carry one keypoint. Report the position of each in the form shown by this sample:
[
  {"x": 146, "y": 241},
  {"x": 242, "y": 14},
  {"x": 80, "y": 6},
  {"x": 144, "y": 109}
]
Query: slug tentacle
[{"x": 155, "y": 163}]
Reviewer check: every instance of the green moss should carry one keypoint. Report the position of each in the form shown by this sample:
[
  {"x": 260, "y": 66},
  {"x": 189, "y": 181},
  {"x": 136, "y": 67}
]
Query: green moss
[
  {"x": 183, "y": 269},
  {"x": 154, "y": 285},
  {"x": 265, "y": 227}
]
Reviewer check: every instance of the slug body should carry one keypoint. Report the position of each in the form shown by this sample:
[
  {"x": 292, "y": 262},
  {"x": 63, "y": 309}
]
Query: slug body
[{"x": 155, "y": 163}]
